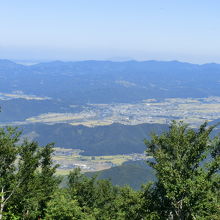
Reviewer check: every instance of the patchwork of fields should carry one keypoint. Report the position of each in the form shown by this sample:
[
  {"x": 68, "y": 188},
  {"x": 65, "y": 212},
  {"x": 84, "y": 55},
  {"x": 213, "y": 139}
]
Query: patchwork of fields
[
  {"x": 191, "y": 110},
  {"x": 71, "y": 158}
]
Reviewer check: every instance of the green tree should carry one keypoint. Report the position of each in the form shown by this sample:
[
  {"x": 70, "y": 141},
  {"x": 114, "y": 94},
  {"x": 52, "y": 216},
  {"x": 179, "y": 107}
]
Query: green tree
[
  {"x": 27, "y": 176},
  {"x": 8, "y": 154},
  {"x": 83, "y": 188},
  {"x": 187, "y": 164},
  {"x": 48, "y": 182},
  {"x": 63, "y": 207},
  {"x": 129, "y": 203},
  {"x": 105, "y": 206},
  {"x": 96, "y": 197}
]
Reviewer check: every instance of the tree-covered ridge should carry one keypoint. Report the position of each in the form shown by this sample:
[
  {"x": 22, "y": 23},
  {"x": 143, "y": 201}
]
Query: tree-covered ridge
[
  {"x": 100, "y": 140},
  {"x": 110, "y": 82},
  {"x": 131, "y": 173},
  {"x": 186, "y": 163}
]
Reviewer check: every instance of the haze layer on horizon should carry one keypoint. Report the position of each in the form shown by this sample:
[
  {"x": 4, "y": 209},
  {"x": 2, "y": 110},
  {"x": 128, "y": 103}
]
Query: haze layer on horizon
[{"x": 118, "y": 30}]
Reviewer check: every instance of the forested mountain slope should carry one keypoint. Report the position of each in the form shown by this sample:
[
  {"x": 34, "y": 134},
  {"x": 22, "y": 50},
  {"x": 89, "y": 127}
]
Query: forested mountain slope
[
  {"x": 107, "y": 82},
  {"x": 100, "y": 140},
  {"x": 132, "y": 173}
]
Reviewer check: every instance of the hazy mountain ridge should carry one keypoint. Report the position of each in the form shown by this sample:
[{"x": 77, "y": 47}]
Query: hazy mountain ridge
[{"x": 96, "y": 81}]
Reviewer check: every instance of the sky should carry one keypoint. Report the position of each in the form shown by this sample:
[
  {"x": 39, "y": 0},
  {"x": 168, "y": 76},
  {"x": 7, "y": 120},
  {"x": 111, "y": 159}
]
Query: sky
[{"x": 184, "y": 30}]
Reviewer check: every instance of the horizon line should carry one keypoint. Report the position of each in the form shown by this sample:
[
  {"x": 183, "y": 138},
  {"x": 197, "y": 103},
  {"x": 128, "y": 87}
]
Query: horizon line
[{"x": 30, "y": 62}]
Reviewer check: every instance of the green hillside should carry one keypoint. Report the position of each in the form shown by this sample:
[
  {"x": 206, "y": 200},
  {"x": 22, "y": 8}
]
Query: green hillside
[
  {"x": 101, "y": 140},
  {"x": 133, "y": 173}
]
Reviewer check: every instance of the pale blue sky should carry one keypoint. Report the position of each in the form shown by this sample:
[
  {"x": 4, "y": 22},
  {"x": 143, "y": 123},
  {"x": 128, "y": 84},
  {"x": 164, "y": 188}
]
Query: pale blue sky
[{"x": 185, "y": 30}]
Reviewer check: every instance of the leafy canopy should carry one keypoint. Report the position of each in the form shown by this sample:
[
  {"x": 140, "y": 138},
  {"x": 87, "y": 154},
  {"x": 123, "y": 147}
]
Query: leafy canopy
[{"x": 187, "y": 164}]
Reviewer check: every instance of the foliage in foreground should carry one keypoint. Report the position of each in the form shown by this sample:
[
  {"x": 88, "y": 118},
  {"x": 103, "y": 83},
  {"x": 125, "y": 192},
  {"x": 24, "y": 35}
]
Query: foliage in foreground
[
  {"x": 27, "y": 180},
  {"x": 186, "y": 163}
]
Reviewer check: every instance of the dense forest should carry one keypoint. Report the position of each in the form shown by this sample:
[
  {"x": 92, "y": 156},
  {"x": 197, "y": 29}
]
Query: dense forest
[
  {"x": 99, "y": 140},
  {"x": 187, "y": 185}
]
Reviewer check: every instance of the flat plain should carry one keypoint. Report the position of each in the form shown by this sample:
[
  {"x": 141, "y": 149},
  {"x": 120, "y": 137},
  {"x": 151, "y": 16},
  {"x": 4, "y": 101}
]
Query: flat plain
[{"x": 191, "y": 110}]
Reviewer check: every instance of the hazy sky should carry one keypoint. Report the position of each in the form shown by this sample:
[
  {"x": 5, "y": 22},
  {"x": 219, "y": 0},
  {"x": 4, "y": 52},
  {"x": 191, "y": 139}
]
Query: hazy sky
[{"x": 186, "y": 30}]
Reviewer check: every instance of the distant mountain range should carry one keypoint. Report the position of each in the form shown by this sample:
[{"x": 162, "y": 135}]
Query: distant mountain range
[
  {"x": 56, "y": 86},
  {"x": 107, "y": 81}
]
